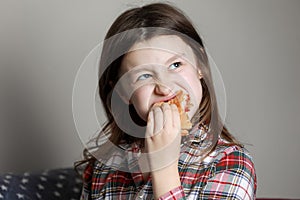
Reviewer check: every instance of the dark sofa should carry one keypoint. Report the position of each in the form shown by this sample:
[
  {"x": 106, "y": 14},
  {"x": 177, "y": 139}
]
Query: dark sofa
[{"x": 62, "y": 183}]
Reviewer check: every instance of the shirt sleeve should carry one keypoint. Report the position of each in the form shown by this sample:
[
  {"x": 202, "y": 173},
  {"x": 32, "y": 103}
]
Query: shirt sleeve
[
  {"x": 234, "y": 178},
  {"x": 176, "y": 193}
]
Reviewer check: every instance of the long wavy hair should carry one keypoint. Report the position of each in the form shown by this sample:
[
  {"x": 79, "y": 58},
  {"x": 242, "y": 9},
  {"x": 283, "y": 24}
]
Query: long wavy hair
[{"x": 148, "y": 21}]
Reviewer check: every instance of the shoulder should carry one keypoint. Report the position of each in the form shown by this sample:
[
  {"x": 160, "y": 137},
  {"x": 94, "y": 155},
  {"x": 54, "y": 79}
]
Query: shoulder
[
  {"x": 234, "y": 161},
  {"x": 232, "y": 175},
  {"x": 231, "y": 157}
]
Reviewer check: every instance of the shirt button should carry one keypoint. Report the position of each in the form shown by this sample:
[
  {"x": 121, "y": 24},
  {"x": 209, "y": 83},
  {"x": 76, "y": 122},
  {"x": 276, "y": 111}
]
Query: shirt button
[{"x": 141, "y": 195}]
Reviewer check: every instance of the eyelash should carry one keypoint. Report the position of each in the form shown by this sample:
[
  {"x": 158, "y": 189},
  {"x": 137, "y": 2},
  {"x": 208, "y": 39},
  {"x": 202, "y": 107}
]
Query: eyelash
[
  {"x": 142, "y": 77},
  {"x": 139, "y": 78},
  {"x": 176, "y": 63}
]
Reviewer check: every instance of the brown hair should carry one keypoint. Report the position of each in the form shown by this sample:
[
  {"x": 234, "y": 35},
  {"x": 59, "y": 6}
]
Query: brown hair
[{"x": 149, "y": 21}]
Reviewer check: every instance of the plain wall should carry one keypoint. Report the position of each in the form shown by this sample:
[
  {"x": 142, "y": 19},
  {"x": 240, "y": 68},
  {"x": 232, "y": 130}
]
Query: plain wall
[{"x": 255, "y": 44}]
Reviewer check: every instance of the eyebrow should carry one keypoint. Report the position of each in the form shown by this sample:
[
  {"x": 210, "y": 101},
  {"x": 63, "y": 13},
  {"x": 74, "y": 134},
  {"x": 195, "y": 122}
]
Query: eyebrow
[{"x": 179, "y": 55}]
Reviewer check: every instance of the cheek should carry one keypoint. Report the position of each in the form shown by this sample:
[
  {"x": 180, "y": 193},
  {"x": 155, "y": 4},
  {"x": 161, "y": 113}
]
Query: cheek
[
  {"x": 196, "y": 92},
  {"x": 197, "y": 97},
  {"x": 140, "y": 100}
]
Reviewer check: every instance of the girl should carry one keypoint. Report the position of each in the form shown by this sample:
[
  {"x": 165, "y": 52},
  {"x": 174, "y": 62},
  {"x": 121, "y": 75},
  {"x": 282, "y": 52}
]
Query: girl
[{"x": 151, "y": 54}]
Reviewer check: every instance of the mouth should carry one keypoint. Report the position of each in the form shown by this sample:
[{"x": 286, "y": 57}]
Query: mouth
[
  {"x": 166, "y": 99},
  {"x": 182, "y": 101}
]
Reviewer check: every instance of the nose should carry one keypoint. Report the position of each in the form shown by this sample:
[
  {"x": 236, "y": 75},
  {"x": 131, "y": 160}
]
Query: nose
[{"x": 163, "y": 90}]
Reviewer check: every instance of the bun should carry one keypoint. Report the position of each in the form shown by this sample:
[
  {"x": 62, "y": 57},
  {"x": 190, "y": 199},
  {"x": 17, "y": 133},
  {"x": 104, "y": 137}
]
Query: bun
[{"x": 182, "y": 101}]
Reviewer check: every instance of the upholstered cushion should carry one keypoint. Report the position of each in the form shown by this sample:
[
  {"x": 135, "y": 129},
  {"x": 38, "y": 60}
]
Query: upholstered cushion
[{"x": 51, "y": 184}]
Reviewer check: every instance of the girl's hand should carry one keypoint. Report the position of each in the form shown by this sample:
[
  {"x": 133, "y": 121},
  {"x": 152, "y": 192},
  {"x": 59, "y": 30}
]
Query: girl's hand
[
  {"x": 163, "y": 147},
  {"x": 163, "y": 136}
]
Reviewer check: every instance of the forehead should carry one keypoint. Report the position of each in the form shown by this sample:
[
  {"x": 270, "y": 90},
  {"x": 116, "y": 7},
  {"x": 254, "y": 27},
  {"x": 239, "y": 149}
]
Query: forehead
[{"x": 156, "y": 50}]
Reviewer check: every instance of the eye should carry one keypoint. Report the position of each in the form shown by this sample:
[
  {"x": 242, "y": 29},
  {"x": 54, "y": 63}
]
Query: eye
[
  {"x": 175, "y": 65},
  {"x": 143, "y": 77}
]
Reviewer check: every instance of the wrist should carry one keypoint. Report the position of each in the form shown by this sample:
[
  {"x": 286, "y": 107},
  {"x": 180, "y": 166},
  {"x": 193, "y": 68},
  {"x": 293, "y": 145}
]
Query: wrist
[
  {"x": 165, "y": 179},
  {"x": 171, "y": 169}
]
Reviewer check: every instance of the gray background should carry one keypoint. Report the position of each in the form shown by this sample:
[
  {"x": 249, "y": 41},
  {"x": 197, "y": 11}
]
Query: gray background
[{"x": 255, "y": 45}]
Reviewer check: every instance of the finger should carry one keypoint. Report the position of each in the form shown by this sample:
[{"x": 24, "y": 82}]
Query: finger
[
  {"x": 157, "y": 120},
  {"x": 184, "y": 132},
  {"x": 176, "y": 117},
  {"x": 150, "y": 124},
  {"x": 167, "y": 119}
]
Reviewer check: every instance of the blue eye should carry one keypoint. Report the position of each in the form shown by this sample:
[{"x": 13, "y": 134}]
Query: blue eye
[
  {"x": 144, "y": 76},
  {"x": 175, "y": 65}
]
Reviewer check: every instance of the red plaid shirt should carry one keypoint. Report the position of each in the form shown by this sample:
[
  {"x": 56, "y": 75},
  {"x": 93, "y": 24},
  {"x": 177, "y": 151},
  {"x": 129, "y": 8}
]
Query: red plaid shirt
[{"x": 226, "y": 173}]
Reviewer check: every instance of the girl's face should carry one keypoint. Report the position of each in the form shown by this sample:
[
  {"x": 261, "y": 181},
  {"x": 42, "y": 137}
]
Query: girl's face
[{"x": 154, "y": 70}]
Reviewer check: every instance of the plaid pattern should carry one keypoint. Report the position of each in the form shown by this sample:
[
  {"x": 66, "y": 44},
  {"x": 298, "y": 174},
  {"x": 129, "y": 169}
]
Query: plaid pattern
[{"x": 226, "y": 173}]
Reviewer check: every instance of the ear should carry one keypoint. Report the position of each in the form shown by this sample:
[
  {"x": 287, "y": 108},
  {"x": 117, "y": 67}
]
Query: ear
[{"x": 200, "y": 75}]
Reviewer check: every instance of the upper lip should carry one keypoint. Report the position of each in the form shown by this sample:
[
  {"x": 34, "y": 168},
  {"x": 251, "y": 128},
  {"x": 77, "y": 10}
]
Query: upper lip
[{"x": 166, "y": 99}]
